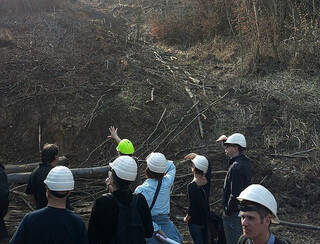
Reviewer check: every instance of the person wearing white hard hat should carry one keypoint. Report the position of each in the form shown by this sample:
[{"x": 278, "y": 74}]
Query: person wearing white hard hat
[
  {"x": 160, "y": 174},
  {"x": 237, "y": 179},
  {"x": 198, "y": 195},
  {"x": 258, "y": 209},
  {"x": 120, "y": 216},
  {"x": 53, "y": 223}
]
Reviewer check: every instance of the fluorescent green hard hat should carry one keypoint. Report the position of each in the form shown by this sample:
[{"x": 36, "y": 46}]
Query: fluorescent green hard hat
[{"x": 125, "y": 146}]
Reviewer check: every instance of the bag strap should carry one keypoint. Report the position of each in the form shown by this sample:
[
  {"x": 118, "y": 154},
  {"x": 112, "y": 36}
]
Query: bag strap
[{"x": 156, "y": 194}]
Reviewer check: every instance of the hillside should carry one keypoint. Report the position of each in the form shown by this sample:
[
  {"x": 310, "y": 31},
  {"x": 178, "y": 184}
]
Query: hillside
[{"x": 71, "y": 69}]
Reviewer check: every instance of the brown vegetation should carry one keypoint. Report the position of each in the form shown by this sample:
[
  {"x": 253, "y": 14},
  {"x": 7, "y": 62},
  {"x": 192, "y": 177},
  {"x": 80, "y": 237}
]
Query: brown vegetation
[
  {"x": 283, "y": 33},
  {"x": 77, "y": 69}
]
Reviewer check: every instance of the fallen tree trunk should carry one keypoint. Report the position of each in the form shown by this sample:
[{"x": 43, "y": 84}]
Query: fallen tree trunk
[
  {"x": 28, "y": 167},
  {"x": 301, "y": 226},
  {"x": 22, "y": 178}
]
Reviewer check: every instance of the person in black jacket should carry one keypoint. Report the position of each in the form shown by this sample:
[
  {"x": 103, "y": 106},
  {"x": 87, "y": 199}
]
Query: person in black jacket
[
  {"x": 36, "y": 188},
  {"x": 4, "y": 203},
  {"x": 106, "y": 216},
  {"x": 258, "y": 209},
  {"x": 198, "y": 195},
  {"x": 237, "y": 179}
]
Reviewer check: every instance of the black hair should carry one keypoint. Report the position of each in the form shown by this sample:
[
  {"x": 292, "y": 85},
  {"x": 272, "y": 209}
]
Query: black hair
[
  {"x": 153, "y": 175},
  {"x": 49, "y": 153},
  {"x": 121, "y": 184},
  {"x": 59, "y": 194}
]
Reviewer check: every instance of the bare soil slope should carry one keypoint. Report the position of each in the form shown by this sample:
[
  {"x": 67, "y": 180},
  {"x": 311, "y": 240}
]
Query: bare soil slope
[{"x": 68, "y": 73}]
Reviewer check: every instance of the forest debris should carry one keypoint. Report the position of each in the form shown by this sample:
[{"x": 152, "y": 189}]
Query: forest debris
[
  {"x": 300, "y": 154},
  {"x": 77, "y": 172},
  {"x": 297, "y": 225},
  {"x": 194, "y": 100},
  {"x": 12, "y": 168}
]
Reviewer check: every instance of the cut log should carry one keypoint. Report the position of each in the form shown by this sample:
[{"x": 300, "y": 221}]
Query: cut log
[
  {"x": 22, "y": 178},
  {"x": 300, "y": 226},
  {"x": 28, "y": 167}
]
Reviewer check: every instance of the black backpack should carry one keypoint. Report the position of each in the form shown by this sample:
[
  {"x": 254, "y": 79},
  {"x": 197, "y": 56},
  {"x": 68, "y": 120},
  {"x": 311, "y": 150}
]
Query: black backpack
[{"x": 130, "y": 229}]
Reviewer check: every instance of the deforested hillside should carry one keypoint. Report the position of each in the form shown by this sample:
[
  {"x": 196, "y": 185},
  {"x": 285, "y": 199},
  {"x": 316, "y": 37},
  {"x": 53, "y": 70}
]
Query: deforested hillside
[{"x": 71, "y": 69}]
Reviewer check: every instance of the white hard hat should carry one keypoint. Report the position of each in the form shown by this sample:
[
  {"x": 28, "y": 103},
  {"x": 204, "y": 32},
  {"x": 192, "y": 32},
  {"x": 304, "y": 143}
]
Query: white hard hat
[
  {"x": 238, "y": 139},
  {"x": 157, "y": 162},
  {"x": 125, "y": 167},
  {"x": 201, "y": 162},
  {"x": 60, "y": 178},
  {"x": 261, "y": 195}
]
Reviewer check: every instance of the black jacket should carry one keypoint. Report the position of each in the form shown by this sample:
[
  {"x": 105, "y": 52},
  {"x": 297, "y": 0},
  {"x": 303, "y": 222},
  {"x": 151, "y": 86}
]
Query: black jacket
[
  {"x": 245, "y": 240},
  {"x": 237, "y": 179},
  {"x": 4, "y": 201},
  {"x": 36, "y": 186},
  {"x": 102, "y": 226},
  {"x": 198, "y": 197}
]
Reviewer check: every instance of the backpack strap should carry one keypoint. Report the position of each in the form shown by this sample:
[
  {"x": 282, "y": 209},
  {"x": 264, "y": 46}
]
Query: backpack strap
[{"x": 156, "y": 194}]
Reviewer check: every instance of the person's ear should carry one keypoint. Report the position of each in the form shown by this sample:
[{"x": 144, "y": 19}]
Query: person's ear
[{"x": 268, "y": 219}]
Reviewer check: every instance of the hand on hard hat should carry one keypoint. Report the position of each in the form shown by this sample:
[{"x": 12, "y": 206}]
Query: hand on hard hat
[
  {"x": 222, "y": 138},
  {"x": 114, "y": 134},
  {"x": 201, "y": 162},
  {"x": 190, "y": 156}
]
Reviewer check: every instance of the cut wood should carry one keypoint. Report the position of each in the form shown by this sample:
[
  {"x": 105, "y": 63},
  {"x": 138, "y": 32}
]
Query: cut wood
[
  {"x": 301, "y": 226},
  {"x": 20, "y": 178},
  {"x": 28, "y": 167}
]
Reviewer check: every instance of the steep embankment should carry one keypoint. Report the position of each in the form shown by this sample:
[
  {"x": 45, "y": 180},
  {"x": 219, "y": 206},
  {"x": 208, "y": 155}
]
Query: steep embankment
[{"x": 69, "y": 73}]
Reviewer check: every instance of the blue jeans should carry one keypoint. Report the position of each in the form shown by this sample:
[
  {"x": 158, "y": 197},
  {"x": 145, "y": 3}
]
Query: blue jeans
[
  {"x": 167, "y": 227},
  {"x": 198, "y": 233},
  {"x": 232, "y": 228}
]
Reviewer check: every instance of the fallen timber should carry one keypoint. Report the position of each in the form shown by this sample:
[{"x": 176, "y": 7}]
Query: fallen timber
[
  {"x": 16, "y": 168},
  {"x": 22, "y": 178}
]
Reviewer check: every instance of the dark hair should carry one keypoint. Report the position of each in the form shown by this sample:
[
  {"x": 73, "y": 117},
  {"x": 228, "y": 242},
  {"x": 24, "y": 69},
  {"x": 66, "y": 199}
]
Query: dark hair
[
  {"x": 59, "y": 194},
  {"x": 260, "y": 209},
  {"x": 120, "y": 183},
  {"x": 240, "y": 149},
  {"x": 198, "y": 171},
  {"x": 49, "y": 153},
  {"x": 153, "y": 175}
]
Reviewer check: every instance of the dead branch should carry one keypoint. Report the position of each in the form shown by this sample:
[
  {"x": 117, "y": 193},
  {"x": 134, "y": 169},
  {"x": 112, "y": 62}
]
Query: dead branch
[
  {"x": 295, "y": 154},
  {"x": 155, "y": 129},
  {"x": 194, "y": 100},
  {"x": 214, "y": 102},
  {"x": 22, "y": 196}
]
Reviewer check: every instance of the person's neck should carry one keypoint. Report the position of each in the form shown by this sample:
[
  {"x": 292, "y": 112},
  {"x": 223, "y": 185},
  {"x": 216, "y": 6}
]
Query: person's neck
[
  {"x": 57, "y": 203},
  {"x": 262, "y": 239},
  {"x": 199, "y": 179}
]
